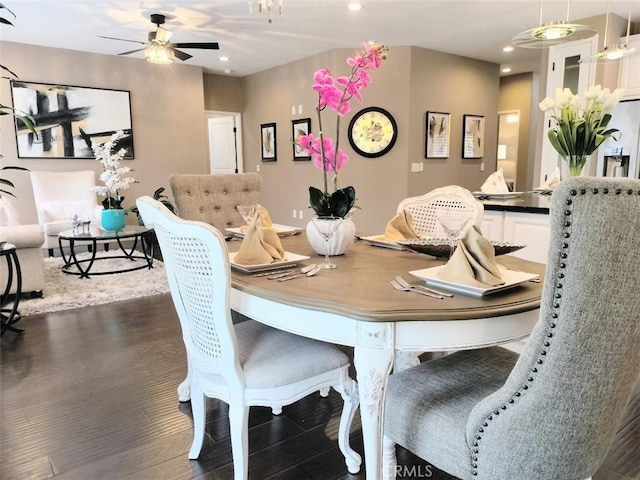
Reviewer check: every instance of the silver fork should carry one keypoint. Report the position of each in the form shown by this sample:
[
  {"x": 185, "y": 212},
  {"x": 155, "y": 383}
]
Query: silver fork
[
  {"x": 397, "y": 286},
  {"x": 406, "y": 284}
]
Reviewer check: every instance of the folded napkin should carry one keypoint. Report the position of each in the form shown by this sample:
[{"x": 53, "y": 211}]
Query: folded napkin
[
  {"x": 261, "y": 243},
  {"x": 264, "y": 215},
  {"x": 553, "y": 180},
  {"x": 473, "y": 263},
  {"x": 495, "y": 183},
  {"x": 400, "y": 227}
]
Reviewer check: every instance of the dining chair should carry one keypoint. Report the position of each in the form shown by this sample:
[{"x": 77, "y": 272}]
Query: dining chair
[
  {"x": 246, "y": 364},
  {"x": 425, "y": 209},
  {"x": 213, "y": 198},
  {"x": 553, "y": 411}
]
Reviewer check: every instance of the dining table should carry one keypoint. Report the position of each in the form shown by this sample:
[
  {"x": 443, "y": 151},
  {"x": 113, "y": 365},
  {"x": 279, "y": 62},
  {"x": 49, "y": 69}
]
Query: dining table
[{"x": 355, "y": 305}]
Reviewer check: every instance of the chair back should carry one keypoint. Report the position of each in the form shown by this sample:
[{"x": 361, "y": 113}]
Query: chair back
[
  {"x": 61, "y": 195},
  {"x": 559, "y": 410},
  {"x": 213, "y": 198},
  {"x": 197, "y": 266},
  {"x": 425, "y": 208}
]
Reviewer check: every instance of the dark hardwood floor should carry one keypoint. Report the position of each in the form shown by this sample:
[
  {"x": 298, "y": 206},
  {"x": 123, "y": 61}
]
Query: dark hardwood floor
[{"x": 90, "y": 394}]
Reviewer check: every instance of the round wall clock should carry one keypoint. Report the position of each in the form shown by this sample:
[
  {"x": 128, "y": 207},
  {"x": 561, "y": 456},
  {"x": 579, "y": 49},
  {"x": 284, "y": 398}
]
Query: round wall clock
[{"x": 372, "y": 132}]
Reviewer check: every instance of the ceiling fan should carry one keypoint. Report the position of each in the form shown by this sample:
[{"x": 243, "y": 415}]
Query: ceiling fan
[{"x": 158, "y": 49}]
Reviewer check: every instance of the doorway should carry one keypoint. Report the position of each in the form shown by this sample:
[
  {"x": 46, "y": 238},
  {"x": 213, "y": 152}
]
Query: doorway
[
  {"x": 507, "y": 156},
  {"x": 224, "y": 134}
]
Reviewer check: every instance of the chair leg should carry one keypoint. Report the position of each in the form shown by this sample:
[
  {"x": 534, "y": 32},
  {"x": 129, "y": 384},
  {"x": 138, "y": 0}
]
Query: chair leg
[
  {"x": 199, "y": 412},
  {"x": 349, "y": 392},
  {"x": 184, "y": 389},
  {"x": 389, "y": 461},
  {"x": 238, "y": 422},
  {"x": 50, "y": 252}
]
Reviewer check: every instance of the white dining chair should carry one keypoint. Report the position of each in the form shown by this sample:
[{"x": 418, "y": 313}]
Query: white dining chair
[
  {"x": 424, "y": 209},
  {"x": 246, "y": 364},
  {"x": 553, "y": 411}
]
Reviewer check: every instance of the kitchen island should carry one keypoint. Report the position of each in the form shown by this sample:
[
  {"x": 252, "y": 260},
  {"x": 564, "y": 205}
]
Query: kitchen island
[{"x": 523, "y": 220}]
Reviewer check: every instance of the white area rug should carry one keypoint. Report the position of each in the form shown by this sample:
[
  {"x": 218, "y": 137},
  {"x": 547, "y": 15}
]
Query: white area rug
[{"x": 63, "y": 291}]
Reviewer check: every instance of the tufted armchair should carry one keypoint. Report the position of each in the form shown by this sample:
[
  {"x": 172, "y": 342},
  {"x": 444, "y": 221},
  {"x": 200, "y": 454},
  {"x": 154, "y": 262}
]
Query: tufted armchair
[
  {"x": 553, "y": 412},
  {"x": 213, "y": 199}
]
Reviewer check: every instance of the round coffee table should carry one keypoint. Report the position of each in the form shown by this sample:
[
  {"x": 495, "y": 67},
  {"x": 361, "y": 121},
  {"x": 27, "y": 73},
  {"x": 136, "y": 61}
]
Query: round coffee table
[{"x": 71, "y": 239}]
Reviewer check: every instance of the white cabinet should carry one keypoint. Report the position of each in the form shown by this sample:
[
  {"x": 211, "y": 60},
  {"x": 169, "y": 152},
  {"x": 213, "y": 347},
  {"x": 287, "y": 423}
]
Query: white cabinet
[
  {"x": 530, "y": 229},
  {"x": 628, "y": 76}
]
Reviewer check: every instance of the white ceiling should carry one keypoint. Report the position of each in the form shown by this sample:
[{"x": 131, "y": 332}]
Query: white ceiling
[{"x": 472, "y": 28}]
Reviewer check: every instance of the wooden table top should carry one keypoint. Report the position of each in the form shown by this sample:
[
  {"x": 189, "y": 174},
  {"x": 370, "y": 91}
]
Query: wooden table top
[{"x": 360, "y": 287}]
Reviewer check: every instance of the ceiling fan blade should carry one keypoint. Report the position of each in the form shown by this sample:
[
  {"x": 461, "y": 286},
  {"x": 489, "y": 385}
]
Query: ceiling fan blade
[
  {"x": 181, "y": 55},
  {"x": 122, "y": 39},
  {"x": 206, "y": 45},
  {"x": 132, "y": 51}
]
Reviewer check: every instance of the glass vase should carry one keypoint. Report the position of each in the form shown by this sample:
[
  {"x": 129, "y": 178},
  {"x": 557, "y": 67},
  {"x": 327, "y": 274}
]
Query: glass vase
[{"x": 576, "y": 164}]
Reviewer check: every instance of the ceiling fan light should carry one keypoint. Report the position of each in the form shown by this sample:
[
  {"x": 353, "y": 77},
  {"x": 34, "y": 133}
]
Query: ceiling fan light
[{"x": 159, "y": 54}]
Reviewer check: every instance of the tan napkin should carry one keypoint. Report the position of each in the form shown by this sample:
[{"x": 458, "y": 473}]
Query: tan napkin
[
  {"x": 495, "y": 183},
  {"x": 261, "y": 243},
  {"x": 264, "y": 215},
  {"x": 553, "y": 180},
  {"x": 474, "y": 262},
  {"x": 400, "y": 227}
]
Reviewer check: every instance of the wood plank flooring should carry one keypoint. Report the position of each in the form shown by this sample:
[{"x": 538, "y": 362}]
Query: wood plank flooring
[{"x": 90, "y": 394}]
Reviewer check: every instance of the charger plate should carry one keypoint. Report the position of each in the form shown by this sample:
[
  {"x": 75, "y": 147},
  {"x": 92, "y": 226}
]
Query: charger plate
[{"x": 439, "y": 247}]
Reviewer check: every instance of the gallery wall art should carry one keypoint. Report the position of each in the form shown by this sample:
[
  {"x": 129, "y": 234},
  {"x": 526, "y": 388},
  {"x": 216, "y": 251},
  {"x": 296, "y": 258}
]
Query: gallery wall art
[{"x": 68, "y": 118}]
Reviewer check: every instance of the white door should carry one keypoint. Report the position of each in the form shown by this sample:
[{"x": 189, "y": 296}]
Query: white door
[
  {"x": 565, "y": 71},
  {"x": 224, "y": 144}
]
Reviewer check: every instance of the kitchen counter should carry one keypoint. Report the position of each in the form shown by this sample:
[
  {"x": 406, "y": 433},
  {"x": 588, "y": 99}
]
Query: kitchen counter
[{"x": 525, "y": 203}]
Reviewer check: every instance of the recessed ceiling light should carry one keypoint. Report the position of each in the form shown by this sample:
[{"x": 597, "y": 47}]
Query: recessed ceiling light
[
  {"x": 354, "y": 6},
  {"x": 505, "y": 70},
  {"x": 223, "y": 59},
  {"x": 227, "y": 70},
  {"x": 507, "y": 49}
]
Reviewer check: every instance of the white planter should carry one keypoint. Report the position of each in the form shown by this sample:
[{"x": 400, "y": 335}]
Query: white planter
[{"x": 340, "y": 241}]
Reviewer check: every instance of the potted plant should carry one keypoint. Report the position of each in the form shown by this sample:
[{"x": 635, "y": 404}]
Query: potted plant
[{"x": 162, "y": 198}]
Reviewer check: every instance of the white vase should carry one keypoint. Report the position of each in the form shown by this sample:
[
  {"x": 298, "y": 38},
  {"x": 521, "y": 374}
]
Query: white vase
[{"x": 339, "y": 242}]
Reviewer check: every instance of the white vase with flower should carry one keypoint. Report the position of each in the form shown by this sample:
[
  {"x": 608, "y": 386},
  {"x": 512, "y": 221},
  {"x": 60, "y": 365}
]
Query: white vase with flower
[{"x": 336, "y": 94}]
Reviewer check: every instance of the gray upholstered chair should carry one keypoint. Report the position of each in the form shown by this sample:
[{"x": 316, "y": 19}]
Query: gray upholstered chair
[
  {"x": 553, "y": 412},
  {"x": 213, "y": 198},
  {"x": 247, "y": 364}
]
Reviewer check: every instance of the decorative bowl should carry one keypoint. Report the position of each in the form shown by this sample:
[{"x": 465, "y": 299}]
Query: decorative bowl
[{"x": 439, "y": 247}]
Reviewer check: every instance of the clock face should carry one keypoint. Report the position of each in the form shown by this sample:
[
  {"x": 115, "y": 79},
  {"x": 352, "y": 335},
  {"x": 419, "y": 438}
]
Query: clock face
[{"x": 372, "y": 132}]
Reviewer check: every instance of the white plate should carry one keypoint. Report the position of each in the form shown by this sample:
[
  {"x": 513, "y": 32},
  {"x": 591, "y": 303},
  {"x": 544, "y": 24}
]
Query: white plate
[
  {"x": 378, "y": 241},
  {"x": 502, "y": 196},
  {"x": 511, "y": 279},
  {"x": 281, "y": 230},
  {"x": 291, "y": 260}
]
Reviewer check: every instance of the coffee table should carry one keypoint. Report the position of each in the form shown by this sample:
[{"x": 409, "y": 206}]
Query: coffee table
[{"x": 71, "y": 239}]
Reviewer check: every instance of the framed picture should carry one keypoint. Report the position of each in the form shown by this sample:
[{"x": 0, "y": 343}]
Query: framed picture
[
  {"x": 268, "y": 142},
  {"x": 438, "y": 134},
  {"x": 300, "y": 127},
  {"x": 68, "y": 118},
  {"x": 473, "y": 136}
]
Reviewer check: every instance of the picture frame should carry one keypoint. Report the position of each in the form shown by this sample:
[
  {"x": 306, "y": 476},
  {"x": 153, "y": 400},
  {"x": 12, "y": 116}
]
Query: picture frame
[
  {"x": 268, "y": 142},
  {"x": 77, "y": 116},
  {"x": 473, "y": 136},
  {"x": 438, "y": 134},
  {"x": 299, "y": 127}
]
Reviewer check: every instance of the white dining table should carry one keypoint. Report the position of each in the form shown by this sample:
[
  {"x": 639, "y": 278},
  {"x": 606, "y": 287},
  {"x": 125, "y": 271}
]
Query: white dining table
[{"x": 355, "y": 305}]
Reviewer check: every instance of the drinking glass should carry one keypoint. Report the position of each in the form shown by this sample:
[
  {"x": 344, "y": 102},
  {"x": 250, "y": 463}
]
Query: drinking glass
[
  {"x": 327, "y": 227},
  {"x": 247, "y": 211},
  {"x": 453, "y": 223}
]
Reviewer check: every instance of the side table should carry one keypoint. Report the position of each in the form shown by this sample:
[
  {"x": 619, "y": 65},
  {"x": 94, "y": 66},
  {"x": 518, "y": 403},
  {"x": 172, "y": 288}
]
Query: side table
[{"x": 9, "y": 303}]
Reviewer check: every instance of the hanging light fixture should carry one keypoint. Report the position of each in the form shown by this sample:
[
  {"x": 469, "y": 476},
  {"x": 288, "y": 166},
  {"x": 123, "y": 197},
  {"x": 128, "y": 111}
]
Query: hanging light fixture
[
  {"x": 611, "y": 53},
  {"x": 267, "y": 5},
  {"x": 160, "y": 54},
  {"x": 553, "y": 33}
]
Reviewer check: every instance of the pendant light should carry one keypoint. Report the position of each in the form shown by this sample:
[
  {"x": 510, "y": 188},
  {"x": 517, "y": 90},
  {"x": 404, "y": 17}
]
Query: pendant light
[
  {"x": 612, "y": 53},
  {"x": 553, "y": 33}
]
